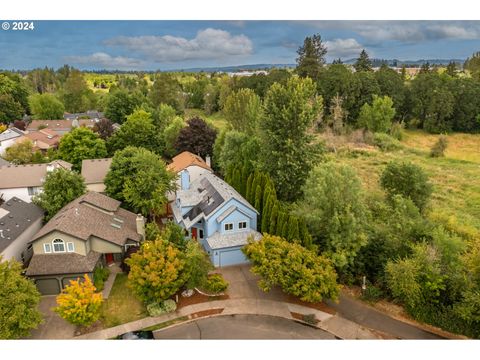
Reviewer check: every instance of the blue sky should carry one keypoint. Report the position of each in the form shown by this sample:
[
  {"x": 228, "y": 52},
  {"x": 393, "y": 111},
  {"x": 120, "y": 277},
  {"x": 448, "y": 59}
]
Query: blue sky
[{"x": 164, "y": 45}]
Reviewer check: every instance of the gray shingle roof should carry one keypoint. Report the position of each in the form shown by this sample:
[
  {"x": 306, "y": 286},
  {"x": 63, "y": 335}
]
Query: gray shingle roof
[
  {"x": 53, "y": 264},
  {"x": 16, "y": 216},
  {"x": 206, "y": 188},
  {"x": 94, "y": 214},
  {"x": 240, "y": 238}
]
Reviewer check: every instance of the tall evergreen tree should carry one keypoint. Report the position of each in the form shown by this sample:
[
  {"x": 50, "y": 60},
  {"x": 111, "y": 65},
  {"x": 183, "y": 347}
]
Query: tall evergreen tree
[
  {"x": 248, "y": 190},
  {"x": 280, "y": 223},
  {"x": 363, "y": 62},
  {"x": 258, "y": 199},
  {"x": 304, "y": 233},
  {"x": 311, "y": 57},
  {"x": 273, "y": 219},
  {"x": 267, "y": 209},
  {"x": 285, "y": 227},
  {"x": 293, "y": 229},
  {"x": 237, "y": 180}
]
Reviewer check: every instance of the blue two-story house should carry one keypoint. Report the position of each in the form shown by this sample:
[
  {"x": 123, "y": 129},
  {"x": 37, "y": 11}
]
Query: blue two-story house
[{"x": 216, "y": 215}]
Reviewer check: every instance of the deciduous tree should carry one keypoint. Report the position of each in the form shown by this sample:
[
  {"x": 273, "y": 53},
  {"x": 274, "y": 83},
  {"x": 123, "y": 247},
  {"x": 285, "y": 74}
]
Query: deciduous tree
[
  {"x": 243, "y": 110},
  {"x": 79, "y": 303},
  {"x": 19, "y": 299},
  {"x": 156, "y": 271},
  {"x": 79, "y": 144},
  {"x": 296, "y": 270},
  {"x": 378, "y": 116},
  {"x": 197, "y": 137},
  {"x": 61, "y": 186},
  {"x": 46, "y": 107}
]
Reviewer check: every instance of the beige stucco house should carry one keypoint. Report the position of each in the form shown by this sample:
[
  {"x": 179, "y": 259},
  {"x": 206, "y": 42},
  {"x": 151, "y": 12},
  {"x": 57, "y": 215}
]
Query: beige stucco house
[{"x": 91, "y": 231}]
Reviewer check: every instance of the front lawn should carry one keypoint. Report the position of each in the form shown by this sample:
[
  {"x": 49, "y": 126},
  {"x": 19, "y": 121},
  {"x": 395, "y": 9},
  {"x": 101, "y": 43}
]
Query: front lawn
[{"x": 122, "y": 306}]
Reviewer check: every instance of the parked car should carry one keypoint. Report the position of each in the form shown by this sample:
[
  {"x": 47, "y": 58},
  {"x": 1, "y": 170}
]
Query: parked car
[{"x": 136, "y": 335}]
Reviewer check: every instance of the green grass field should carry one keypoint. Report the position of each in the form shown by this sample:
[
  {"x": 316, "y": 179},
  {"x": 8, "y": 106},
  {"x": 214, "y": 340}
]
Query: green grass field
[
  {"x": 456, "y": 177},
  {"x": 122, "y": 305},
  {"x": 216, "y": 120}
]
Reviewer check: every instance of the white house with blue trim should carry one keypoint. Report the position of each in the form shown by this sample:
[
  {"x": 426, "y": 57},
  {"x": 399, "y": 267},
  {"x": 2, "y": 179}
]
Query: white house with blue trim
[{"x": 216, "y": 215}]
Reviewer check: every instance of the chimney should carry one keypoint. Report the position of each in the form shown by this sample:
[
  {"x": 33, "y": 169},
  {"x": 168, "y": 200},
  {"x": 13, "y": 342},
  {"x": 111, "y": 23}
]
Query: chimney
[
  {"x": 141, "y": 225},
  {"x": 208, "y": 161},
  {"x": 185, "y": 180}
]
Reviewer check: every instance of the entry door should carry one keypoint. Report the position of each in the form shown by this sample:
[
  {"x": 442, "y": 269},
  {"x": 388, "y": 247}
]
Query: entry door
[
  {"x": 194, "y": 233},
  {"x": 109, "y": 258}
]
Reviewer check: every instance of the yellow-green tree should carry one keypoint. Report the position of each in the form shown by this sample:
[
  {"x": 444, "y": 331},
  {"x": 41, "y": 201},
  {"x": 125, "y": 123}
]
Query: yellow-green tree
[
  {"x": 156, "y": 271},
  {"x": 296, "y": 270},
  {"x": 79, "y": 303}
]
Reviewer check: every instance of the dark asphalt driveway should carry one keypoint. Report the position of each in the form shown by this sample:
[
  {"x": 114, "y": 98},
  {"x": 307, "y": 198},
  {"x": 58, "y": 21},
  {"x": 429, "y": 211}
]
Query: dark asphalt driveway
[
  {"x": 354, "y": 310},
  {"x": 235, "y": 327}
]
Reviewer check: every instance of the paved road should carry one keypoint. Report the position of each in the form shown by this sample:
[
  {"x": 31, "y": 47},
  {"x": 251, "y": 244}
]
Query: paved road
[
  {"x": 235, "y": 327},
  {"x": 354, "y": 310}
]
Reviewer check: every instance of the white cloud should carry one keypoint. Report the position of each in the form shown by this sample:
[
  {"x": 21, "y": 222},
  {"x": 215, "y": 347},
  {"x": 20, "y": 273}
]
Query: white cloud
[
  {"x": 343, "y": 48},
  {"x": 405, "y": 31},
  {"x": 207, "y": 44},
  {"x": 105, "y": 61}
]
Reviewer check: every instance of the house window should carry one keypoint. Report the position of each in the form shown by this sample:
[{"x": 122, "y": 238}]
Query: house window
[
  {"x": 47, "y": 248},
  {"x": 242, "y": 225},
  {"x": 58, "y": 245},
  {"x": 32, "y": 191},
  {"x": 228, "y": 227},
  {"x": 200, "y": 233},
  {"x": 70, "y": 247}
]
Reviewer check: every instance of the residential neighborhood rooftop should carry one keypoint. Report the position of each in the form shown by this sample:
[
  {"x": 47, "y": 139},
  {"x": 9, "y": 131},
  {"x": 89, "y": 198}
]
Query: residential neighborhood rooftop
[
  {"x": 204, "y": 195},
  {"x": 220, "y": 241},
  {"x": 45, "y": 264},
  {"x": 16, "y": 216},
  {"x": 97, "y": 215},
  {"x": 43, "y": 139},
  {"x": 10, "y": 133},
  {"x": 31, "y": 175},
  {"x": 186, "y": 159},
  {"x": 95, "y": 170}
]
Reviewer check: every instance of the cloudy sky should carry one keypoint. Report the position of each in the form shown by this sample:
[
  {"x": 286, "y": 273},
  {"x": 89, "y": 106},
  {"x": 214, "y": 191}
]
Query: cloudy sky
[{"x": 164, "y": 45}]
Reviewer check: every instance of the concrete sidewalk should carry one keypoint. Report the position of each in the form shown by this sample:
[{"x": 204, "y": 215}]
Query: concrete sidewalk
[{"x": 339, "y": 327}]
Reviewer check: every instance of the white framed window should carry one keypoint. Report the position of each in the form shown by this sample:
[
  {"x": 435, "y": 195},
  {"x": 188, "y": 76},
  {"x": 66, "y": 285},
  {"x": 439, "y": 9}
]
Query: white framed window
[
  {"x": 58, "y": 245},
  {"x": 47, "y": 248},
  {"x": 228, "y": 227},
  {"x": 200, "y": 233},
  {"x": 242, "y": 225},
  {"x": 70, "y": 247},
  {"x": 32, "y": 191}
]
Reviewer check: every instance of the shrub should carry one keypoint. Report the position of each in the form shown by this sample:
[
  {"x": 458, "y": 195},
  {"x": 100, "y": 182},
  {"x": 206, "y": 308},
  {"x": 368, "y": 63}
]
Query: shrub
[
  {"x": 396, "y": 130},
  {"x": 163, "y": 307},
  {"x": 386, "y": 142},
  {"x": 216, "y": 284},
  {"x": 408, "y": 180},
  {"x": 99, "y": 277},
  {"x": 372, "y": 294},
  {"x": 310, "y": 319},
  {"x": 438, "y": 149}
]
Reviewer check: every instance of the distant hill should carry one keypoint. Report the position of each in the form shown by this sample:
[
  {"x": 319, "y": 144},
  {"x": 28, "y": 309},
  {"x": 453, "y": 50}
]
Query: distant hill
[
  {"x": 237, "y": 68},
  {"x": 408, "y": 63}
]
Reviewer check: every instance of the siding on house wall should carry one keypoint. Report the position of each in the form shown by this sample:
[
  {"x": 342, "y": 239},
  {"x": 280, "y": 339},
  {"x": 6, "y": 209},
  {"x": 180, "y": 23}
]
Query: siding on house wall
[
  {"x": 15, "y": 249},
  {"x": 80, "y": 245},
  {"x": 212, "y": 225},
  {"x": 4, "y": 145},
  {"x": 21, "y": 193},
  {"x": 104, "y": 247}
]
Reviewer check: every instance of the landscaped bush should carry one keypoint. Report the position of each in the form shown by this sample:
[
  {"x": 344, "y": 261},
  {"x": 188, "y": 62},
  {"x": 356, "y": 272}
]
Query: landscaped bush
[
  {"x": 163, "y": 307},
  {"x": 99, "y": 277},
  {"x": 386, "y": 142},
  {"x": 215, "y": 284}
]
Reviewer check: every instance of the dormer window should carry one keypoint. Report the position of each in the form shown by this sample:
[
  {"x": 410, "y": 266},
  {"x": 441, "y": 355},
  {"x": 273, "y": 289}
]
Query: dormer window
[{"x": 58, "y": 245}]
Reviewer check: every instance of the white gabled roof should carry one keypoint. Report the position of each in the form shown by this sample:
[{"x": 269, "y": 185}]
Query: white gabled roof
[{"x": 239, "y": 238}]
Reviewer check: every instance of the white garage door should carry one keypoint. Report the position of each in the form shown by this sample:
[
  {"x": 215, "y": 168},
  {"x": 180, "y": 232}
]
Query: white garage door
[{"x": 232, "y": 257}]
